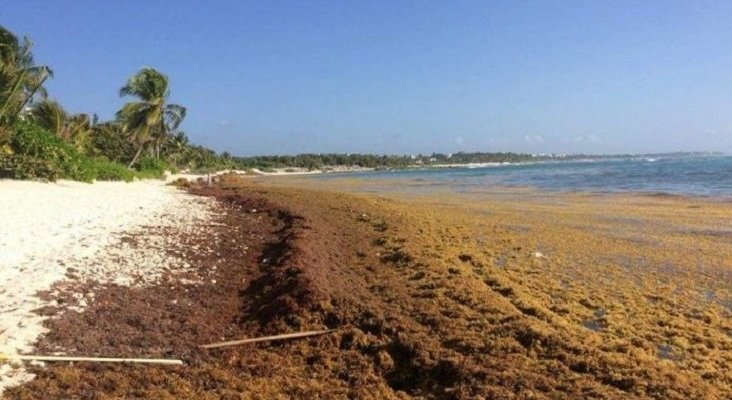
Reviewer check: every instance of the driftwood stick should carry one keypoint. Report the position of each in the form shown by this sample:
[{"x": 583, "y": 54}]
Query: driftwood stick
[
  {"x": 266, "y": 339},
  {"x": 91, "y": 359}
]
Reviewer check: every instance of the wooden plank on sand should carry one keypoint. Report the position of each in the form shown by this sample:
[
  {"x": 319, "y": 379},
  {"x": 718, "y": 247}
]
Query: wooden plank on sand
[
  {"x": 285, "y": 336},
  {"x": 91, "y": 359}
]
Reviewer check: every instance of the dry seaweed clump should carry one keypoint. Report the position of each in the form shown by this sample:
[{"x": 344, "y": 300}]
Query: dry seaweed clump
[{"x": 434, "y": 301}]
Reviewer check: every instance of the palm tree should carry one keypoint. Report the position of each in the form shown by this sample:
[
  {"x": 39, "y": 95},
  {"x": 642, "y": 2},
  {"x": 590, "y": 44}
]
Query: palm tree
[
  {"x": 20, "y": 79},
  {"x": 175, "y": 147},
  {"x": 227, "y": 159},
  {"x": 74, "y": 128},
  {"x": 180, "y": 140},
  {"x": 108, "y": 140},
  {"x": 149, "y": 120},
  {"x": 79, "y": 130},
  {"x": 50, "y": 115}
]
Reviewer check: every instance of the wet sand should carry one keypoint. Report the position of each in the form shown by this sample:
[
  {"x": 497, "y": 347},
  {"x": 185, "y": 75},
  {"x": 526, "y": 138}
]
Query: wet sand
[{"x": 495, "y": 294}]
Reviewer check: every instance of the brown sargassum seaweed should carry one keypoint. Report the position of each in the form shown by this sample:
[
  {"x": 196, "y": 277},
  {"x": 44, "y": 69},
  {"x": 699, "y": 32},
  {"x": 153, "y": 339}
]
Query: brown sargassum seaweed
[{"x": 524, "y": 295}]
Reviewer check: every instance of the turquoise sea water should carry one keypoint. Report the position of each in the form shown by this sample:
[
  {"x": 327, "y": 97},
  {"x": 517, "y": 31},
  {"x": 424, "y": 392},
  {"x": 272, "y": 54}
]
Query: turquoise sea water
[{"x": 683, "y": 175}]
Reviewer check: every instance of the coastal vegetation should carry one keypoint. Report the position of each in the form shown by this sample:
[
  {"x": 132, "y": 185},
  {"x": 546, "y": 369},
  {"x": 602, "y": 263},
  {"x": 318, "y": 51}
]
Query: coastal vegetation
[
  {"x": 323, "y": 161},
  {"x": 150, "y": 120},
  {"x": 39, "y": 139},
  {"x": 327, "y": 161}
]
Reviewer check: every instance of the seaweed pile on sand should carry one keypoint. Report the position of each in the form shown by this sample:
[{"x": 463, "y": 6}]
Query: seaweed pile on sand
[{"x": 421, "y": 312}]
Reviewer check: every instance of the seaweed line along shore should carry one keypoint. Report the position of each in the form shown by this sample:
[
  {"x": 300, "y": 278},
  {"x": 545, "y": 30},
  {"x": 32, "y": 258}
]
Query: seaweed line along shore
[{"x": 444, "y": 296}]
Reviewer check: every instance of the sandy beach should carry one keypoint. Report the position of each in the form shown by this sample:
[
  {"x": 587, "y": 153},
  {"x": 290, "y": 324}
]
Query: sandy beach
[{"x": 57, "y": 234}]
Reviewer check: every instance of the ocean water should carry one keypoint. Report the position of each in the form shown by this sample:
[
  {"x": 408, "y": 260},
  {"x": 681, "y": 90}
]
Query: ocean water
[{"x": 681, "y": 175}]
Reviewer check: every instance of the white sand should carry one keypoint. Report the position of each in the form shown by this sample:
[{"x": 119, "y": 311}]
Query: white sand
[
  {"x": 45, "y": 229},
  {"x": 287, "y": 171}
]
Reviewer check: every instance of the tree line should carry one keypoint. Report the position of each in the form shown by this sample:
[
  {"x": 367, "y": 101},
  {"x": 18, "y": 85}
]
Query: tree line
[
  {"x": 38, "y": 136},
  {"x": 323, "y": 161}
]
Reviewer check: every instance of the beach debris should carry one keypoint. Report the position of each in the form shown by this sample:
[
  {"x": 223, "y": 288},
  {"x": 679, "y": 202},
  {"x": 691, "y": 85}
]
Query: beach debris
[
  {"x": 18, "y": 357},
  {"x": 538, "y": 255},
  {"x": 285, "y": 336}
]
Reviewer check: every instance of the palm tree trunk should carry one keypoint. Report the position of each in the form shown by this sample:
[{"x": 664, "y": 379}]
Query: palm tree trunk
[
  {"x": 134, "y": 159},
  {"x": 29, "y": 98},
  {"x": 12, "y": 93}
]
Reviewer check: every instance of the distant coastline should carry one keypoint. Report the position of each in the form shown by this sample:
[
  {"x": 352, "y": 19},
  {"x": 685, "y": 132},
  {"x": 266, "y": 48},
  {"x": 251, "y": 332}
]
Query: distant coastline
[
  {"x": 302, "y": 164},
  {"x": 696, "y": 175}
]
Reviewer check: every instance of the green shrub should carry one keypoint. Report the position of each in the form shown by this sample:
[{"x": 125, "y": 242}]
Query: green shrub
[
  {"x": 148, "y": 174},
  {"x": 38, "y": 154},
  {"x": 110, "y": 171},
  {"x": 109, "y": 141},
  {"x": 31, "y": 140},
  {"x": 150, "y": 167},
  {"x": 18, "y": 166},
  {"x": 82, "y": 169},
  {"x": 152, "y": 164}
]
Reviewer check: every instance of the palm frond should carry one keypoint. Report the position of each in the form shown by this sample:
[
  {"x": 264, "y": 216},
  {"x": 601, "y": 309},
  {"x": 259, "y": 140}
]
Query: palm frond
[
  {"x": 148, "y": 84},
  {"x": 174, "y": 114},
  {"x": 20, "y": 78},
  {"x": 50, "y": 115}
]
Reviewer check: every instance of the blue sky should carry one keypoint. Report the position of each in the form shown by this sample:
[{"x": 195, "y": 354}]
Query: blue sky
[{"x": 404, "y": 76}]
